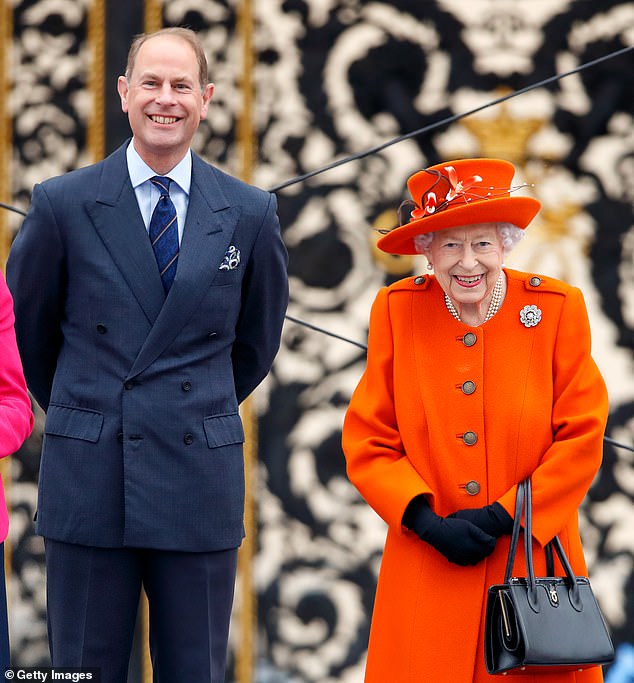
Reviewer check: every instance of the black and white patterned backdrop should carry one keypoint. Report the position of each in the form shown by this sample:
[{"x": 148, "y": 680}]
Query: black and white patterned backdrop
[{"x": 335, "y": 77}]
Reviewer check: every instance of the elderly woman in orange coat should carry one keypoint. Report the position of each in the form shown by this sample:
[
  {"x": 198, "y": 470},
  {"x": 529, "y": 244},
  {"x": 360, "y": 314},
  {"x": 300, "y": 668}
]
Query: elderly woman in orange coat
[{"x": 477, "y": 377}]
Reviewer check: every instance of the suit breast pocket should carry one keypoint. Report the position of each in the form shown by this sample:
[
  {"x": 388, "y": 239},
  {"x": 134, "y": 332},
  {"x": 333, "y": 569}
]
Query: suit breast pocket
[{"x": 228, "y": 277}]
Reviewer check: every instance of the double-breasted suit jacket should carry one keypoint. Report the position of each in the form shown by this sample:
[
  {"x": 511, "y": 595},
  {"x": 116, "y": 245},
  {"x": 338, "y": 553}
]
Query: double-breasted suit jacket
[
  {"x": 462, "y": 414},
  {"x": 143, "y": 439}
]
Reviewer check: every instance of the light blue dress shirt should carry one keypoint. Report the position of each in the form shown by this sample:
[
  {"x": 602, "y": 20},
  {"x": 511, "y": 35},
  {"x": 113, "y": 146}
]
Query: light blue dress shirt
[{"x": 147, "y": 195}]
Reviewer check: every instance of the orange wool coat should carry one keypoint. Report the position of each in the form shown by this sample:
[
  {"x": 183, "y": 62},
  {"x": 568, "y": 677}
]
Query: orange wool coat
[{"x": 539, "y": 408}]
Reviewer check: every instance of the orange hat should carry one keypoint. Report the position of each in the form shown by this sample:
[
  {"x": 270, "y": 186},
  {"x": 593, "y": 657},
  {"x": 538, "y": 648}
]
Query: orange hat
[{"x": 461, "y": 192}]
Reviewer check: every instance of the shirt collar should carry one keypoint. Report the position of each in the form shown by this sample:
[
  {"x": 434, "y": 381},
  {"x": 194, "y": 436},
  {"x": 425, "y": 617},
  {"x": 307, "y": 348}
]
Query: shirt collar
[{"x": 140, "y": 172}]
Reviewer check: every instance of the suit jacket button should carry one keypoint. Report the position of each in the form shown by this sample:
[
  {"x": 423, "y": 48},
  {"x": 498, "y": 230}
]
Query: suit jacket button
[
  {"x": 101, "y": 328},
  {"x": 535, "y": 281},
  {"x": 469, "y": 339},
  {"x": 473, "y": 488},
  {"x": 186, "y": 385},
  {"x": 188, "y": 439},
  {"x": 128, "y": 385},
  {"x": 469, "y": 438}
]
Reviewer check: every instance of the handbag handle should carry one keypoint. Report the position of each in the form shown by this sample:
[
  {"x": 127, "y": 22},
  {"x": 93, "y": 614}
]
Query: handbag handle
[
  {"x": 523, "y": 502},
  {"x": 515, "y": 534}
]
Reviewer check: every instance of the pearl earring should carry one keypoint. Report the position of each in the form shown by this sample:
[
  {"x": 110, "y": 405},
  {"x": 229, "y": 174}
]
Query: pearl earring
[{"x": 430, "y": 265}]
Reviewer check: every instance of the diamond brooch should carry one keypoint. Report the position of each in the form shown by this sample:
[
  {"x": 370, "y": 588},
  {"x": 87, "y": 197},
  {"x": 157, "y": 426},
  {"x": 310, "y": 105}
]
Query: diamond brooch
[{"x": 530, "y": 316}]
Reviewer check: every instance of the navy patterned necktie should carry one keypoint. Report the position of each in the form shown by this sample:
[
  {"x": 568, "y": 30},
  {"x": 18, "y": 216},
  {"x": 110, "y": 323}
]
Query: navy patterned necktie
[{"x": 164, "y": 232}]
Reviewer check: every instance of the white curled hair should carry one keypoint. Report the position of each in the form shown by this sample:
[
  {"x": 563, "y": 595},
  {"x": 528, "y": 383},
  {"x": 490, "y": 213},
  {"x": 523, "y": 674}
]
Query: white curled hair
[{"x": 509, "y": 235}]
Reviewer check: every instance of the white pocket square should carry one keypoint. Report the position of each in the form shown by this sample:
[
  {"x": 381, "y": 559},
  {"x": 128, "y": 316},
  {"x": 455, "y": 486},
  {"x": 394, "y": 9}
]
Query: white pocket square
[{"x": 231, "y": 259}]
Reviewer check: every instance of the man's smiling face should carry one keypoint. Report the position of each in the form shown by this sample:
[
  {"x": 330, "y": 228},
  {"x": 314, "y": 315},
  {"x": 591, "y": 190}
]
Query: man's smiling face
[{"x": 164, "y": 100}]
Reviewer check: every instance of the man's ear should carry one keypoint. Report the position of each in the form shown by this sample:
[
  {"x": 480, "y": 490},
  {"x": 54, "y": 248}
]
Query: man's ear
[
  {"x": 207, "y": 95},
  {"x": 122, "y": 89}
]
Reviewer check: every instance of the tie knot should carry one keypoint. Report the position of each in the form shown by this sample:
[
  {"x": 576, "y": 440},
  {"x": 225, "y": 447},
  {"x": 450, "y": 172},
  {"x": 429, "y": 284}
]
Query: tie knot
[{"x": 162, "y": 183}]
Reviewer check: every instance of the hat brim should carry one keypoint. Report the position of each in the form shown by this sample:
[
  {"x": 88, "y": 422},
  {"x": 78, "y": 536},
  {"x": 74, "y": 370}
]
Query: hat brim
[{"x": 517, "y": 210}]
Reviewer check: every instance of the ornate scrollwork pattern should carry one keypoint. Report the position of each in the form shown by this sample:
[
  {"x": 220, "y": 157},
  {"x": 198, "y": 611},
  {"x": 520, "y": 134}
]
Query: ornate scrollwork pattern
[{"x": 333, "y": 79}]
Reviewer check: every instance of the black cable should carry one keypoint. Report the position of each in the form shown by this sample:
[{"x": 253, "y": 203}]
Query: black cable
[
  {"x": 430, "y": 127},
  {"x": 618, "y": 444},
  {"x": 447, "y": 120},
  {"x": 330, "y": 334},
  {"x": 12, "y": 208},
  {"x": 607, "y": 439}
]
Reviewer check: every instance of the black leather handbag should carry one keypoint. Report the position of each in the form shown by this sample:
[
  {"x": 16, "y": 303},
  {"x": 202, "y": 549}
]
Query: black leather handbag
[{"x": 542, "y": 623}]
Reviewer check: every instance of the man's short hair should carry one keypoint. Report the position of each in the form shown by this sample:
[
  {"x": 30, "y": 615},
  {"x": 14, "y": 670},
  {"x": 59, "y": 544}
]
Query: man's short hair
[{"x": 186, "y": 34}]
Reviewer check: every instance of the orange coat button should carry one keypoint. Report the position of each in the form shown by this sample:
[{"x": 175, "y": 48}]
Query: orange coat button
[
  {"x": 469, "y": 339},
  {"x": 469, "y": 438},
  {"x": 473, "y": 488},
  {"x": 468, "y": 387}
]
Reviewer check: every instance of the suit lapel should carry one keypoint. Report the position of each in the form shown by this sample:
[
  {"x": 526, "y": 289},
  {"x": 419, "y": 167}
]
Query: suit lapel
[
  {"x": 117, "y": 219},
  {"x": 209, "y": 227}
]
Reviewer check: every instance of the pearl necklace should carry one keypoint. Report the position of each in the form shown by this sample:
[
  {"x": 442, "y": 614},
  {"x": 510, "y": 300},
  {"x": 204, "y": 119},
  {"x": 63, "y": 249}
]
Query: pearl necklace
[{"x": 494, "y": 305}]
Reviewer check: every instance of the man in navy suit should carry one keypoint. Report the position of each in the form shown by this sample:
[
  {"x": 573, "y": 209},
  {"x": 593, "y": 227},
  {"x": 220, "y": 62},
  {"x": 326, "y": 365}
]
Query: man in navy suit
[{"x": 141, "y": 480}]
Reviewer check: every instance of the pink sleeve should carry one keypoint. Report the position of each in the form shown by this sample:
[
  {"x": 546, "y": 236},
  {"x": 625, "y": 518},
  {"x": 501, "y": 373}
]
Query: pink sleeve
[{"x": 16, "y": 416}]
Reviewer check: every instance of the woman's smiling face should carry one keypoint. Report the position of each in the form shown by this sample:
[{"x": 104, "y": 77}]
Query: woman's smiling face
[{"x": 467, "y": 261}]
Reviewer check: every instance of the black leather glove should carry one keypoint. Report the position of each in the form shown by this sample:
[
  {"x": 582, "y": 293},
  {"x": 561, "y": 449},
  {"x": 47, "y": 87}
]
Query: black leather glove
[
  {"x": 460, "y": 541},
  {"x": 492, "y": 519}
]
